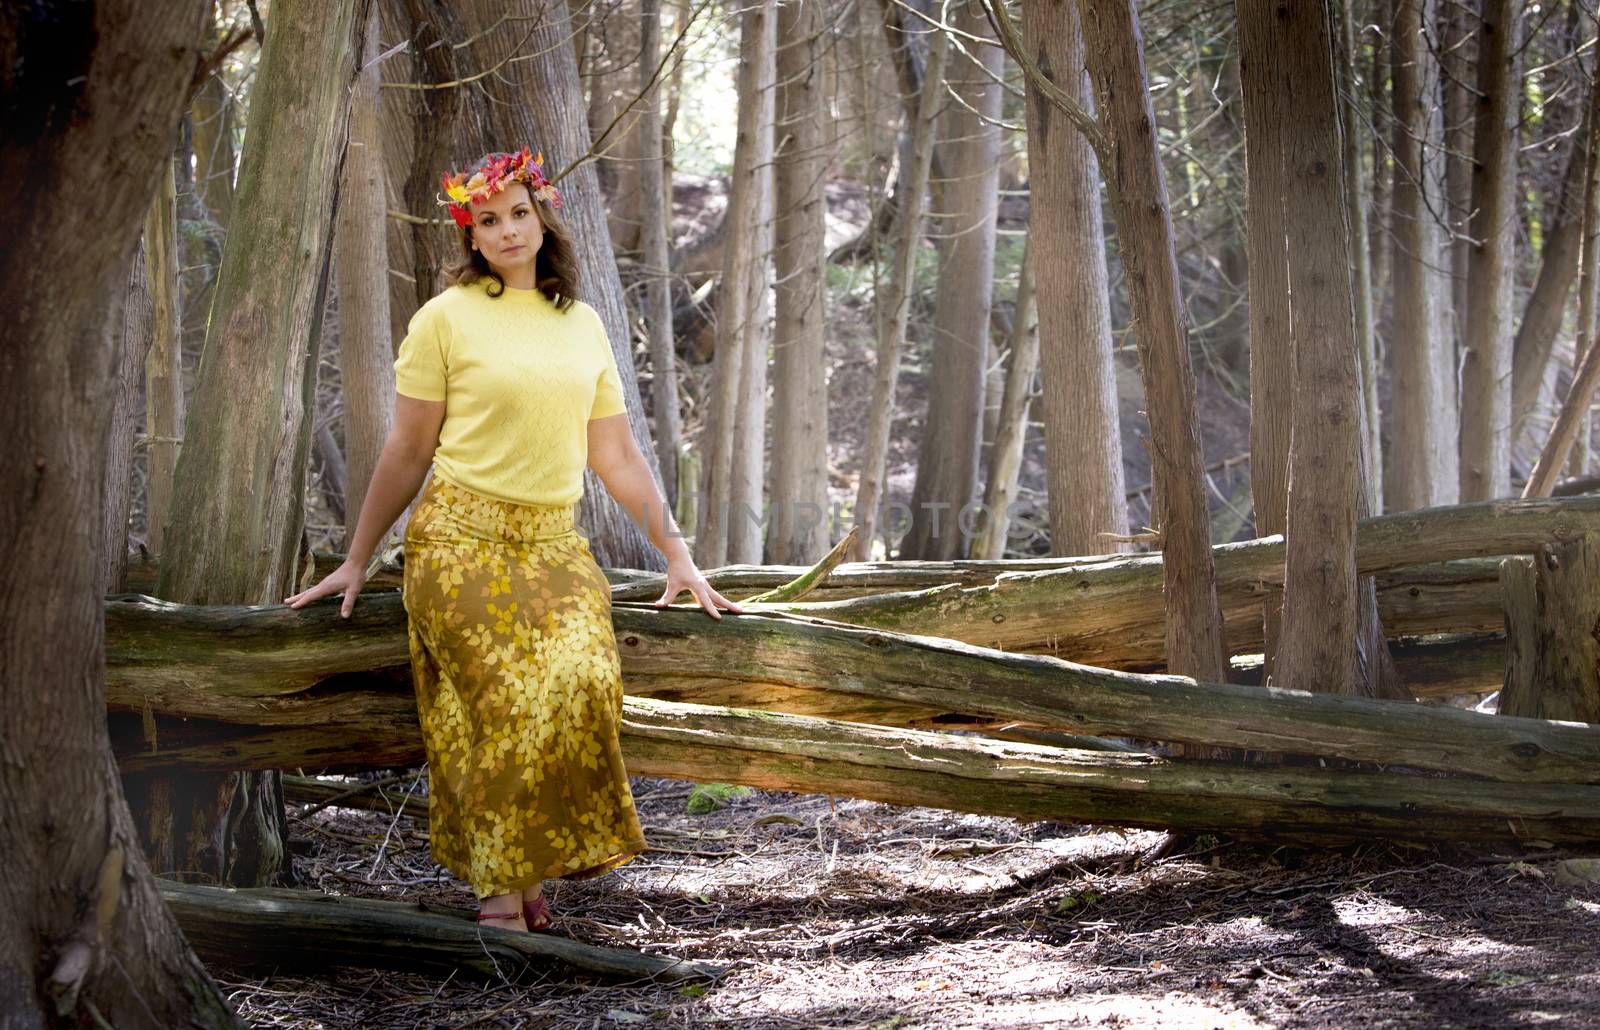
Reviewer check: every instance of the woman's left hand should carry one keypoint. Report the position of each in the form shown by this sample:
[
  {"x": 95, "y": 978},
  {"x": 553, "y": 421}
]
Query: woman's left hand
[{"x": 683, "y": 575}]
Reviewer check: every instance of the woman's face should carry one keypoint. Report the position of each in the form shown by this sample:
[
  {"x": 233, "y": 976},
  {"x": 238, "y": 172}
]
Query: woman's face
[{"x": 506, "y": 229}]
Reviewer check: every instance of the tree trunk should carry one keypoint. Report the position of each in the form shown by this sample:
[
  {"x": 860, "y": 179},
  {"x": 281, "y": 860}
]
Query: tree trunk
[
  {"x": 1571, "y": 421},
  {"x": 1421, "y": 468},
  {"x": 1546, "y": 307},
  {"x": 129, "y": 327},
  {"x": 747, "y": 490},
  {"x": 1024, "y": 781},
  {"x": 238, "y": 498},
  {"x": 614, "y": 96},
  {"x": 655, "y": 214},
  {"x": 366, "y": 353},
  {"x": 798, "y": 532},
  {"x": 1356, "y": 197},
  {"x": 1457, "y": 44},
  {"x": 538, "y": 98},
  {"x": 947, "y": 456},
  {"x": 1577, "y": 432},
  {"x": 1266, "y": 104},
  {"x": 163, "y": 370},
  {"x": 1486, "y": 368},
  {"x": 884, "y": 221},
  {"x": 1319, "y": 643},
  {"x": 1083, "y": 437},
  {"x": 1144, "y": 221},
  {"x": 270, "y": 931},
  {"x": 715, "y": 532},
  {"x": 87, "y": 939},
  {"x": 896, "y": 310},
  {"x": 1011, "y": 431}
]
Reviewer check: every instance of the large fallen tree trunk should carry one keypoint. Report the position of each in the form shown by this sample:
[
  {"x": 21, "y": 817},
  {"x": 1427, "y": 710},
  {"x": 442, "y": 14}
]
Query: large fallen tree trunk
[
  {"x": 1449, "y": 597},
  {"x": 1098, "y": 614},
  {"x": 257, "y": 667},
  {"x": 1025, "y": 781},
  {"x": 275, "y": 929}
]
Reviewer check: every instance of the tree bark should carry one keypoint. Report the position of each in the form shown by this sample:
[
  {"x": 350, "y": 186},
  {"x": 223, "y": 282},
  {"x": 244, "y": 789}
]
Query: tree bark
[
  {"x": 1588, "y": 304},
  {"x": 798, "y": 532},
  {"x": 655, "y": 214},
  {"x": 1571, "y": 421},
  {"x": 1486, "y": 365},
  {"x": 1458, "y": 43},
  {"x": 1552, "y": 654},
  {"x": 1083, "y": 437},
  {"x": 744, "y": 272},
  {"x": 1421, "y": 468},
  {"x": 1356, "y": 199},
  {"x": 947, "y": 456},
  {"x": 238, "y": 497},
  {"x": 129, "y": 328},
  {"x": 894, "y": 313},
  {"x": 366, "y": 352},
  {"x": 1546, "y": 306},
  {"x": 1144, "y": 221},
  {"x": 163, "y": 370},
  {"x": 270, "y": 929},
  {"x": 1266, "y": 104},
  {"x": 1318, "y": 645},
  {"x": 87, "y": 940},
  {"x": 1011, "y": 430}
]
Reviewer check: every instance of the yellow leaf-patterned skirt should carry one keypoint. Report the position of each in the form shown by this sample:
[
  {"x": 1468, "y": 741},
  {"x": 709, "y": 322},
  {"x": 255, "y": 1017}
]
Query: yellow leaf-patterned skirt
[{"x": 519, "y": 692}]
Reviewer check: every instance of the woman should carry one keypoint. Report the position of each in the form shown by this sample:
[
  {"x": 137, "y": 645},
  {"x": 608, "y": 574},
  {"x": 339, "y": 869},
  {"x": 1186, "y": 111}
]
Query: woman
[{"x": 506, "y": 386}]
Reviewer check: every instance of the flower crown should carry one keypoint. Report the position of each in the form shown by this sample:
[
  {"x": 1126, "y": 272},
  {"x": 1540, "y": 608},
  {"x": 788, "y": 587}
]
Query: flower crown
[{"x": 496, "y": 173}]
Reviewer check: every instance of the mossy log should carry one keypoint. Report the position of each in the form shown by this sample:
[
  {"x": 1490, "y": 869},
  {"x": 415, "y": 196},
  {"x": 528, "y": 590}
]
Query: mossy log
[
  {"x": 299, "y": 688},
  {"x": 980, "y": 775},
  {"x": 271, "y": 928}
]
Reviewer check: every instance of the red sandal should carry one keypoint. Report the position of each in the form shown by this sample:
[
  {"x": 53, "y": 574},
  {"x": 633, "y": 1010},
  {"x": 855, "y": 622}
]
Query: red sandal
[{"x": 537, "y": 914}]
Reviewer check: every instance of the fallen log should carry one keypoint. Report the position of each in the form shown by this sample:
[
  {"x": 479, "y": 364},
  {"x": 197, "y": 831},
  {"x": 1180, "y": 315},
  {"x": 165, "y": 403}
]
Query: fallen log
[
  {"x": 1435, "y": 668},
  {"x": 256, "y": 669},
  {"x": 276, "y": 929},
  {"x": 1100, "y": 613},
  {"x": 1552, "y": 616},
  {"x": 1029, "y": 781}
]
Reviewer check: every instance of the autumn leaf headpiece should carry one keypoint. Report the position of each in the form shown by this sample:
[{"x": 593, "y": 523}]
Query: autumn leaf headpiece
[{"x": 496, "y": 173}]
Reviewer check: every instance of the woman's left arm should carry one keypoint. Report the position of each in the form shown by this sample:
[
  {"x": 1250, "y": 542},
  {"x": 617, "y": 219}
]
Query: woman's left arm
[{"x": 616, "y": 459}]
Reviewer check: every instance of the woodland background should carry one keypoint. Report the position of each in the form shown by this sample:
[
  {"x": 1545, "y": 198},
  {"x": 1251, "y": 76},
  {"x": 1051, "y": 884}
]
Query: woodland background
[
  {"x": 837, "y": 119},
  {"x": 1154, "y": 277}
]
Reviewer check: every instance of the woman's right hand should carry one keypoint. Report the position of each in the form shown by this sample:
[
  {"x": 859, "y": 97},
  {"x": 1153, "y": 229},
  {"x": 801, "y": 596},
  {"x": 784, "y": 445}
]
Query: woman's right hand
[{"x": 347, "y": 577}]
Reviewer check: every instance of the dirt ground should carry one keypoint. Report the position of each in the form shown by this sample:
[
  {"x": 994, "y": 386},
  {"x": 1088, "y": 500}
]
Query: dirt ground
[{"x": 835, "y": 912}]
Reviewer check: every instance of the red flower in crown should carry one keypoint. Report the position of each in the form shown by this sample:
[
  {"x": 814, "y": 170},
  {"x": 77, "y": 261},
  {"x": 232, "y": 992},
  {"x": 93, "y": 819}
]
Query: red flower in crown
[{"x": 496, "y": 173}]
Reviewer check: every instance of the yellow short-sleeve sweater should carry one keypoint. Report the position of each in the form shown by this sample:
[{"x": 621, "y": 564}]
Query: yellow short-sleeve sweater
[{"x": 520, "y": 380}]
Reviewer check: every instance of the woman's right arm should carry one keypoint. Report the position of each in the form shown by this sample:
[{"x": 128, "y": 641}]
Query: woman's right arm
[{"x": 402, "y": 466}]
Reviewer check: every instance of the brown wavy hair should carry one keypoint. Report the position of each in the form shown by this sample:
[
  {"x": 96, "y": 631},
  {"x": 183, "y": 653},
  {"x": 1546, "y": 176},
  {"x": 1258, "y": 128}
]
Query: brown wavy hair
[{"x": 555, "y": 269}]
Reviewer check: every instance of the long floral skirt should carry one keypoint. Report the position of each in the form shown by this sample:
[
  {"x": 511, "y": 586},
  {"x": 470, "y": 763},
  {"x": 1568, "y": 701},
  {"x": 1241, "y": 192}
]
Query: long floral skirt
[{"x": 519, "y": 692}]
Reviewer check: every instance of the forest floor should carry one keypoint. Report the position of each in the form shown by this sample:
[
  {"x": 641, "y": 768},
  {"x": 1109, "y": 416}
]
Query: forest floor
[{"x": 835, "y": 912}]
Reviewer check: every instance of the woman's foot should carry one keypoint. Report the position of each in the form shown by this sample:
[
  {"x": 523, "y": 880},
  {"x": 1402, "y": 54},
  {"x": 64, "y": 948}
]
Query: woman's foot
[{"x": 502, "y": 910}]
